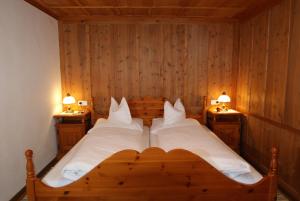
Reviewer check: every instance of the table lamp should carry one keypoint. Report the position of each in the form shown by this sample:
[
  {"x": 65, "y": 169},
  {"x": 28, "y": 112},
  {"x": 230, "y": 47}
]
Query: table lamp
[
  {"x": 224, "y": 99},
  {"x": 69, "y": 100}
]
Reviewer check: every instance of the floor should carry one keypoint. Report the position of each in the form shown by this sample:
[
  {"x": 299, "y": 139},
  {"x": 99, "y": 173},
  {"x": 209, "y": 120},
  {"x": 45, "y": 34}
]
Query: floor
[{"x": 280, "y": 197}]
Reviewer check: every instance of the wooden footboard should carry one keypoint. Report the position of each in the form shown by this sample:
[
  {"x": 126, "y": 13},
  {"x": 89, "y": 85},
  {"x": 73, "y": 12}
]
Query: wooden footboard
[{"x": 154, "y": 175}]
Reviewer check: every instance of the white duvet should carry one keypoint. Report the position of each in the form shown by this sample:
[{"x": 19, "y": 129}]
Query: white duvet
[
  {"x": 99, "y": 144},
  {"x": 198, "y": 139}
]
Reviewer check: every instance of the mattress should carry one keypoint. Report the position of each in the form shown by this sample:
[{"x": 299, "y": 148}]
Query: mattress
[
  {"x": 199, "y": 140},
  {"x": 55, "y": 178}
]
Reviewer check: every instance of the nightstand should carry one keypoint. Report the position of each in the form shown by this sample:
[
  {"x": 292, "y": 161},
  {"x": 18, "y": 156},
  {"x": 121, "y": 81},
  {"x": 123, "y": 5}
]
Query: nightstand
[
  {"x": 227, "y": 126},
  {"x": 70, "y": 129}
]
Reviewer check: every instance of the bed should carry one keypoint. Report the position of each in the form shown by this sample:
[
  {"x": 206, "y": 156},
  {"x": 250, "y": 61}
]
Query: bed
[
  {"x": 153, "y": 174},
  {"x": 190, "y": 135},
  {"x": 102, "y": 141}
]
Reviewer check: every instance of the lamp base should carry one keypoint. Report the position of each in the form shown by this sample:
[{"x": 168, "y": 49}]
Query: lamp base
[
  {"x": 69, "y": 110},
  {"x": 223, "y": 108}
]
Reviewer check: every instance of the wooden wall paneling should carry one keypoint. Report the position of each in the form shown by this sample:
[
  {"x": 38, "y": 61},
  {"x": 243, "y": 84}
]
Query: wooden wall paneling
[
  {"x": 150, "y": 59},
  {"x": 259, "y": 63},
  {"x": 215, "y": 69},
  {"x": 279, "y": 23},
  {"x": 195, "y": 76},
  {"x": 270, "y": 137},
  {"x": 235, "y": 62},
  {"x": 67, "y": 31},
  {"x": 273, "y": 90},
  {"x": 101, "y": 61},
  {"x": 294, "y": 170},
  {"x": 119, "y": 65},
  {"x": 84, "y": 52},
  {"x": 292, "y": 112},
  {"x": 76, "y": 77},
  {"x": 220, "y": 52},
  {"x": 133, "y": 62},
  {"x": 286, "y": 148},
  {"x": 228, "y": 81},
  {"x": 253, "y": 139},
  {"x": 180, "y": 52},
  {"x": 245, "y": 58},
  {"x": 174, "y": 51}
]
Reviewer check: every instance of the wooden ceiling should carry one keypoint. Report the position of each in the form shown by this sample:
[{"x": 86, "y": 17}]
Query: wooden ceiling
[{"x": 196, "y": 9}]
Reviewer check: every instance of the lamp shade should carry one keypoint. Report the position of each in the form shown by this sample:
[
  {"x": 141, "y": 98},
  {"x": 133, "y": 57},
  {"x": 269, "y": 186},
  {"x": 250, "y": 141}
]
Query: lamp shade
[
  {"x": 68, "y": 99},
  {"x": 224, "y": 98}
]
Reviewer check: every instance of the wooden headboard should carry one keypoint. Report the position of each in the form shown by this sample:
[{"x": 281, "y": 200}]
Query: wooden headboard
[{"x": 148, "y": 108}]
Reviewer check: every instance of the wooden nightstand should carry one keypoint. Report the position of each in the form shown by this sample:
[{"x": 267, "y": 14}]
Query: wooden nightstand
[
  {"x": 70, "y": 129},
  {"x": 227, "y": 126}
]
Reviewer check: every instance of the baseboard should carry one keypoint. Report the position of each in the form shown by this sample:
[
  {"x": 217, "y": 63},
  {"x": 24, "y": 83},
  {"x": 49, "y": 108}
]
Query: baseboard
[
  {"x": 283, "y": 186},
  {"x": 20, "y": 195}
]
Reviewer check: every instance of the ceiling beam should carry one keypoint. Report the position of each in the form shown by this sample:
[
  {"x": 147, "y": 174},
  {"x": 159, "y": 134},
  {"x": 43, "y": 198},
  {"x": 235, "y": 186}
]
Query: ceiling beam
[
  {"x": 255, "y": 10},
  {"x": 144, "y": 19},
  {"x": 147, "y": 7},
  {"x": 83, "y": 9}
]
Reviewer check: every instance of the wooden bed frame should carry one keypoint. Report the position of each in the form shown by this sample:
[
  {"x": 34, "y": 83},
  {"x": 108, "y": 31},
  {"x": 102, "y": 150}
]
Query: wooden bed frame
[{"x": 153, "y": 175}]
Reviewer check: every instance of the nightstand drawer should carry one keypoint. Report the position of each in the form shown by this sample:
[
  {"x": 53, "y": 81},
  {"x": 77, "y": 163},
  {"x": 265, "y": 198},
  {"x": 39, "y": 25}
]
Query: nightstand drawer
[
  {"x": 230, "y": 134},
  {"x": 69, "y": 135},
  {"x": 227, "y": 126},
  {"x": 70, "y": 129}
]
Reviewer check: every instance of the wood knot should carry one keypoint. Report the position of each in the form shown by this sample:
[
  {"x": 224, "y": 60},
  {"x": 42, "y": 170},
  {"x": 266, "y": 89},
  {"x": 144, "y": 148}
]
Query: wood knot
[
  {"x": 87, "y": 178},
  {"x": 137, "y": 157},
  {"x": 188, "y": 184},
  {"x": 66, "y": 192},
  {"x": 204, "y": 190},
  {"x": 250, "y": 190},
  {"x": 121, "y": 183}
]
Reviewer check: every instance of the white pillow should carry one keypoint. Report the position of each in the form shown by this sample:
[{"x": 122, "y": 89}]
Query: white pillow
[
  {"x": 114, "y": 106},
  {"x": 158, "y": 124},
  {"x": 119, "y": 113},
  {"x": 179, "y": 106},
  {"x": 136, "y": 124},
  {"x": 174, "y": 114}
]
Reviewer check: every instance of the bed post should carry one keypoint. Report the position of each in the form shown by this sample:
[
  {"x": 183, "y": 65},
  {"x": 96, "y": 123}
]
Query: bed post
[
  {"x": 274, "y": 162},
  {"x": 273, "y": 173},
  {"x": 30, "y": 188}
]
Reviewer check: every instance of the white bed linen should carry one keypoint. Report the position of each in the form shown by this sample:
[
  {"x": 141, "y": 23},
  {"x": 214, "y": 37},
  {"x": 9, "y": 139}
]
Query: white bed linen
[
  {"x": 96, "y": 146},
  {"x": 198, "y": 139},
  {"x": 136, "y": 124}
]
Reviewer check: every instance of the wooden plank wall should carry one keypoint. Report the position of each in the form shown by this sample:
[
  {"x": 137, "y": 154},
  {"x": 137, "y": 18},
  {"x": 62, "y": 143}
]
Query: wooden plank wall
[
  {"x": 169, "y": 60},
  {"x": 269, "y": 89}
]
